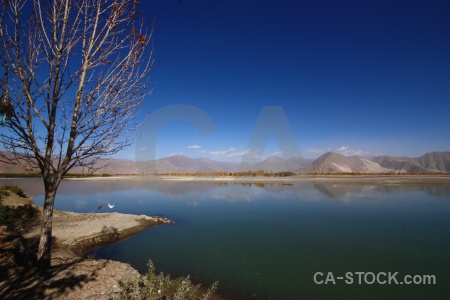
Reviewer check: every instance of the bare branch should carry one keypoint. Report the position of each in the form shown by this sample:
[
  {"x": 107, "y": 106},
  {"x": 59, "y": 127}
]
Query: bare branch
[{"x": 76, "y": 72}]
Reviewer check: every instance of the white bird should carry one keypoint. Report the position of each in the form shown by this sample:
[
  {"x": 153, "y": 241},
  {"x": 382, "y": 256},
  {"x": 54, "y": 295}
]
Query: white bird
[{"x": 110, "y": 205}]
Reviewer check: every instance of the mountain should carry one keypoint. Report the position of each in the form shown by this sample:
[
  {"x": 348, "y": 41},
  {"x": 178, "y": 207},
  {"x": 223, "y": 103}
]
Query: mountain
[
  {"x": 271, "y": 164},
  {"x": 336, "y": 163},
  {"x": 186, "y": 164},
  {"x": 278, "y": 164},
  {"x": 439, "y": 161},
  {"x": 10, "y": 168},
  {"x": 403, "y": 164},
  {"x": 204, "y": 164},
  {"x": 430, "y": 162},
  {"x": 181, "y": 162},
  {"x": 327, "y": 163},
  {"x": 275, "y": 164}
]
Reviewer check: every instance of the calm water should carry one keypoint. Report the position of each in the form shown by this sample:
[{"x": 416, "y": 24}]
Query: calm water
[{"x": 268, "y": 241}]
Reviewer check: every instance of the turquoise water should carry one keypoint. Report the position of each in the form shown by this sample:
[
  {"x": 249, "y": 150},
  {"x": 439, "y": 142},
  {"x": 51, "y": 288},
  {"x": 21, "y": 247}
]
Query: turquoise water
[{"x": 268, "y": 241}]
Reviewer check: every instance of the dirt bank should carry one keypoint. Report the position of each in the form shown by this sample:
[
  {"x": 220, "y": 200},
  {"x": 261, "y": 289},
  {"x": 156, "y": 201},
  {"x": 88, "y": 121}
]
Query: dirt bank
[{"x": 73, "y": 234}]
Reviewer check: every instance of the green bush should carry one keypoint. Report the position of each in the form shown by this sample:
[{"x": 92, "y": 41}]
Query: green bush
[{"x": 160, "y": 286}]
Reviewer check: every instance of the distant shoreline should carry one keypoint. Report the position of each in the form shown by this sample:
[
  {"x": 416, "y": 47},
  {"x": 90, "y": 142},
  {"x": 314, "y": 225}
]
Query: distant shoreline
[{"x": 376, "y": 179}]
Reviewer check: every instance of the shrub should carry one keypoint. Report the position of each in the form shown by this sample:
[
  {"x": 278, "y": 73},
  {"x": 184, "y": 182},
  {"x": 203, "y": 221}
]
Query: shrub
[
  {"x": 12, "y": 188},
  {"x": 160, "y": 286}
]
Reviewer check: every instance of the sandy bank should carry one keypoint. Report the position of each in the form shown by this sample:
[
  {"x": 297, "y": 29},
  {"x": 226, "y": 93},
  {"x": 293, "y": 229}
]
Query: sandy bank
[{"x": 75, "y": 233}]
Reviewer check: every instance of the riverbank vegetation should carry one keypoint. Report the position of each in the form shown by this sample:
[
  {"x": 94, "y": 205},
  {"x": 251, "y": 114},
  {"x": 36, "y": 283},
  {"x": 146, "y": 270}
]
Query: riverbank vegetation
[
  {"x": 154, "y": 286},
  {"x": 249, "y": 173}
]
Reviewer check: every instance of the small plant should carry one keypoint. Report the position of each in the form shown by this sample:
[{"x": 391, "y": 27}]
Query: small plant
[
  {"x": 12, "y": 188},
  {"x": 133, "y": 289},
  {"x": 160, "y": 286}
]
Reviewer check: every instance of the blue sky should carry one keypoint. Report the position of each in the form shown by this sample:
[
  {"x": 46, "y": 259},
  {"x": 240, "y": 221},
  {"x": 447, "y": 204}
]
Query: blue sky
[{"x": 355, "y": 77}]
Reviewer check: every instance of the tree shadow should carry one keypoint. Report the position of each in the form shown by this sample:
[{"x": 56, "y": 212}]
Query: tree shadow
[
  {"x": 20, "y": 279},
  {"x": 24, "y": 217},
  {"x": 28, "y": 283}
]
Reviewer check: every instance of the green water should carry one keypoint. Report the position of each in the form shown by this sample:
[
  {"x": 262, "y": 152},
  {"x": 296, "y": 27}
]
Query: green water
[{"x": 268, "y": 241}]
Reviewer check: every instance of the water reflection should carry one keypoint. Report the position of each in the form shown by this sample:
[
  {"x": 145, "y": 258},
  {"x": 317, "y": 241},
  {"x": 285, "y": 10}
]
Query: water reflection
[{"x": 228, "y": 191}]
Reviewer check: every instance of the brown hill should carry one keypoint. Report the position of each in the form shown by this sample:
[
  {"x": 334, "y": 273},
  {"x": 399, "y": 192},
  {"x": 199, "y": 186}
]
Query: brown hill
[
  {"x": 430, "y": 162},
  {"x": 336, "y": 163},
  {"x": 439, "y": 161}
]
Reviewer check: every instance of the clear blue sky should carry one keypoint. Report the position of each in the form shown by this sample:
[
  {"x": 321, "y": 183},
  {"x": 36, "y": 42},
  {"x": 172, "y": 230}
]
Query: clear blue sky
[{"x": 356, "y": 77}]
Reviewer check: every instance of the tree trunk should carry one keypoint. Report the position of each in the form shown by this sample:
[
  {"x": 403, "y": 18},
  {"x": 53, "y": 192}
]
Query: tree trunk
[{"x": 43, "y": 256}]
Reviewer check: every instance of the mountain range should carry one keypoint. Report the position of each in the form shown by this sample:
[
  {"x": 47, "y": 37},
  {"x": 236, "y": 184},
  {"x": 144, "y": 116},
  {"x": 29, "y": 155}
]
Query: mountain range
[
  {"x": 336, "y": 163},
  {"x": 327, "y": 163}
]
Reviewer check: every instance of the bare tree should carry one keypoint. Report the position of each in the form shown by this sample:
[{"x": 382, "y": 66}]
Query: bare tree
[{"x": 74, "y": 77}]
